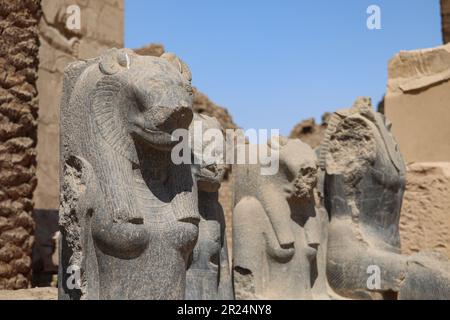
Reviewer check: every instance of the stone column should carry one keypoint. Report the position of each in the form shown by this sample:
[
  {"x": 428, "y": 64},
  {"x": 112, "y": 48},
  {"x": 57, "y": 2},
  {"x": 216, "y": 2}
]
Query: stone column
[
  {"x": 445, "y": 15},
  {"x": 19, "y": 44}
]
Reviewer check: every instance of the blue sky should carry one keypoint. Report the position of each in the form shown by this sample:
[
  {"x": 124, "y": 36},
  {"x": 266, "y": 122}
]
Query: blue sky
[{"x": 274, "y": 63}]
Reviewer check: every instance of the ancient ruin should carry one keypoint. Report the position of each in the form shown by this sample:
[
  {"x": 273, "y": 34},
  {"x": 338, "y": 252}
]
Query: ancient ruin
[
  {"x": 445, "y": 17},
  {"x": 129, "y": 216},
  {"x": 208, "y": 275},
  {"x": 93, "y": 206}
]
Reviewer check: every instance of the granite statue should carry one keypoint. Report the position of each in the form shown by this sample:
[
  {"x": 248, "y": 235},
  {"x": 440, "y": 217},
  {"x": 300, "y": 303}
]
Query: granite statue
[{"x": 128, "y": 215}]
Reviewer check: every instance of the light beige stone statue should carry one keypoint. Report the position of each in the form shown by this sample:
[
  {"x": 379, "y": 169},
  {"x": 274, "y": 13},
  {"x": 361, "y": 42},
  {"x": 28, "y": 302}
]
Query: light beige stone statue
[{"x": 279, "y": 237}]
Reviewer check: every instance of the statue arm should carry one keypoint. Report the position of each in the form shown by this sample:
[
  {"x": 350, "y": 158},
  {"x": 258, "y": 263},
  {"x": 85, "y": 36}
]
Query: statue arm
[{"x": 279, "y": 213}]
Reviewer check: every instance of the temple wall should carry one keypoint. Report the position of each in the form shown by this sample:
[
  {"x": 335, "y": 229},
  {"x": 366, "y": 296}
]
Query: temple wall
[
  {"x": 425, "y": 218},
  {"x": 102, "y": 27},
  {"x": 417, "y": 103}
]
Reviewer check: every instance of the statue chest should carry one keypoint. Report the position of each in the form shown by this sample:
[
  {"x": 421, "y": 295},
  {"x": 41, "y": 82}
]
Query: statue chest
[{"x": 154, "y": 203}]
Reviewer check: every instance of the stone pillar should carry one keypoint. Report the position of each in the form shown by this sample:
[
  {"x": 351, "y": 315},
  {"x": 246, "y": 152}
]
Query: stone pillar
[
  {"x": 445, "y": 15},
  {"x": 417, "y": 104},
  {"x": 19, "y": 43}
]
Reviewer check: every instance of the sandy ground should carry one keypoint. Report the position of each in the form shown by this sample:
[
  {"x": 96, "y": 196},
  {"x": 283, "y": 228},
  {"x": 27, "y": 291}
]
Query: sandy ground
[{"x": 30, "y": 294}]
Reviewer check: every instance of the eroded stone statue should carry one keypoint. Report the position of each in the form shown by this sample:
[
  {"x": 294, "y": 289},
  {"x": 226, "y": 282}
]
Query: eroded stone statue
[
  {"x": 208, "y": 276},
  {"x": 363, "y": 189},
  {"x": 129, "y": 216},
  {"x": 278, "y": 235}
]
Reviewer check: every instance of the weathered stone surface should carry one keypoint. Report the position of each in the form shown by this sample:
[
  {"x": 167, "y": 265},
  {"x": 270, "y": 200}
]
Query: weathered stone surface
[
  {"x": 416, "y": 103},
  {"x": 364, "y": 186},
  {"x": 45, "y": 261},
  {"x": 208, "y": 276},
  {"x": 102, "y": 27},
  {"x": 129, "y": 215},
  {"x": 18, "y": 113},
  {"x": 279, "y": 237},
  {"x": 30, "y": 294},
  {"x": 425, "y": 219}
]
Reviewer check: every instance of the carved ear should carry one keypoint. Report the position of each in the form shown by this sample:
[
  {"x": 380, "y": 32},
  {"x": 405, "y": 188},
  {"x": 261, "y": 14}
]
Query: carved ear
[
  {"x": 179, "y": 64},
  {"x": 114, "y": 60},
  {"x": 71, "y": 75}
]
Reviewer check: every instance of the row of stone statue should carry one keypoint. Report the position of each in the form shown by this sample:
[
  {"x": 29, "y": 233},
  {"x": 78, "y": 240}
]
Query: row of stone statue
[{"x": 137, "y": 226}]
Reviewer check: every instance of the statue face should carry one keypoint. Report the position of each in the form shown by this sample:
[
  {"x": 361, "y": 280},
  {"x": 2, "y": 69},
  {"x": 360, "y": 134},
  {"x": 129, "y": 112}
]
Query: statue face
[
  {"x": 208, "y": 153},
  {"x": 155, "y": 96}
]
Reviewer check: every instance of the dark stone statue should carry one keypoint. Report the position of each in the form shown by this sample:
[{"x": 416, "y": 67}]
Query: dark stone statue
[{"x": 129, "y": 216}]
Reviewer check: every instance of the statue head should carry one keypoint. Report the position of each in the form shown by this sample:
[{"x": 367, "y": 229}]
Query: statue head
[
  {"x": 209, "y": 167},
  {"x": 122, "y": 108},
  {"x": 141, "y": 100}
]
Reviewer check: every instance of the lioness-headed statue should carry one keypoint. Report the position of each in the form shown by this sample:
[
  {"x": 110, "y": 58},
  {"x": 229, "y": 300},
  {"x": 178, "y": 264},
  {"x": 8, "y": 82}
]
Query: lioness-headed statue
[
  {"x": 128, "y": 216},
  {"x": 279, "y": 236}
]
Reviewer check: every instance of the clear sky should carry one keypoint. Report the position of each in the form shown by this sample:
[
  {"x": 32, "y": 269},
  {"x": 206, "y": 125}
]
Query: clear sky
[{"x": 274, "y": 63}]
